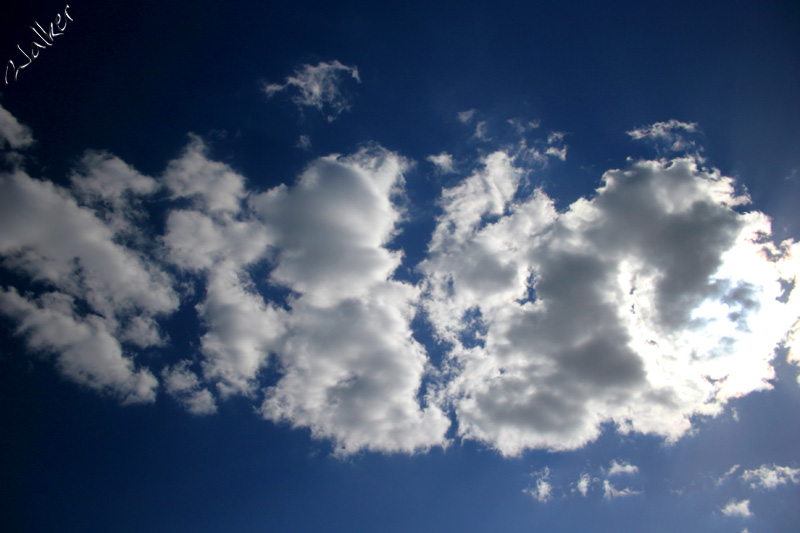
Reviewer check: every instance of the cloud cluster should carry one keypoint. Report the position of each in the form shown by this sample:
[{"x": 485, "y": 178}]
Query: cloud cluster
[
  {"x": 545, "y": 488},
  {"x": 654, "y": 300}
]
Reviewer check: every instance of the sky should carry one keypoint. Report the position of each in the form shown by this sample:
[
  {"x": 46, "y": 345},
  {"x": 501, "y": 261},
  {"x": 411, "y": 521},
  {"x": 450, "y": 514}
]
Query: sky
[{"x": 422, "y": 266}]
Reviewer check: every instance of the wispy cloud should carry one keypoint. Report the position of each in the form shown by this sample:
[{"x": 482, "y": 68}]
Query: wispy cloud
[
  {"x": 610, "y": 492},
  {"x": 318, "y": 86},
  {"x": 466, "y": 116},
  {"x": 622, "y": 468},
  {"x": 671, "y": 135},
  {"x": 771, "y": 477},
  {"x": 543, "y": 491}
]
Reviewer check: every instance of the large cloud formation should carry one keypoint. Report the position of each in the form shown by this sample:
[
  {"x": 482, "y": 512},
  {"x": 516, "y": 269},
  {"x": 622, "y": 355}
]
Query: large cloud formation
[{"x": 658, "y": 298}]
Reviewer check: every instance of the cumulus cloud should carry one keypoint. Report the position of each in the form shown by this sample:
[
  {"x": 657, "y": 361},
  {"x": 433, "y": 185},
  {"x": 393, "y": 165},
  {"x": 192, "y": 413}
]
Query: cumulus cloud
[
  {"x": 331, "y": 227},
  {"x": 241, "y": 331},
  {"x": 740, "y": 508},
  {"x": 318, "y": 87},
  {"x": 771, "y": 477},
  {"x": 352, "y": 370},
  {"x": 213, "y": 185},
  {"x": 48, "y": 236}
]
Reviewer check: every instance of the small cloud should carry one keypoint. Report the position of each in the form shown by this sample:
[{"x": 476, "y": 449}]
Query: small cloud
[
  {"x": 480, "y": 131},
  {"x": 583, "y": 484},
  {"x": 183, "y": 385},
  {"x": 727, "y": 474},
  {"x": 610, "y": 492},
  {"x": 669, "y": 134},
  {"x": 443, "y": 162},
  {"x": 543, "y": 491},
  {"x": 466, "y": 116},
  {"x": 560, "y": 153},
  {"x": 622, "y": 468},
  {"x": 521, "y": 126},
  {"x": 771, "y": 477},
  {"x": 735, "y": 508},
  {"x": 304, "y": 142},
  {"x": 318, "y": 86}
]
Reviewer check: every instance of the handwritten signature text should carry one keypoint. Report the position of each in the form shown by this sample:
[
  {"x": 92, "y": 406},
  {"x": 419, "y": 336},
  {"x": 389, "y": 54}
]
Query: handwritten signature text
[{"x": 45, "y": 36}]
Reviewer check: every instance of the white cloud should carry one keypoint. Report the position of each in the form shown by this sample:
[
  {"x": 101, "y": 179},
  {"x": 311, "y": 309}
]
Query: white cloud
[
  {"x": 85, "y": 350},
  {"x": 214, "y": 185},
  {"x": 352, "y": 370},
  {"x": 767, "y": 477},
  {"x": 655, "y": 300},
  {"x": 106, "y": 177},
  {"x": 560, "y": 153},
  {"x": 331, "y": 227},
  {"x": 114, "y": 191},
  {"x": 196, "y": 241},
  {"x": 183, "y": 385},
  {"x": 55, "y": 241},
  {"x": 610, "y": 492},
  {"x": 622, "y": 468},
  {"x": 583, "y": 484},
  {"x": 12, "y": 132},
  {"x": 740, "y": 508},
  {"x": 443, "y": 162},
  {"x": 318, "y": 86},
  {"x": 543, "y": 491},
  {"x": 732, "y": 470}
]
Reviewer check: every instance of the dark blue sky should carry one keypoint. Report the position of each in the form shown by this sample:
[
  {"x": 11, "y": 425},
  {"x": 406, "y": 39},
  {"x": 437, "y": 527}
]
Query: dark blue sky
[{"x": 133, "y": 80}]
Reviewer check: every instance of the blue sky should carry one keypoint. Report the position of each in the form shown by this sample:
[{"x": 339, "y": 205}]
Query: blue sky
[{"x": 408, "y": 267}]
